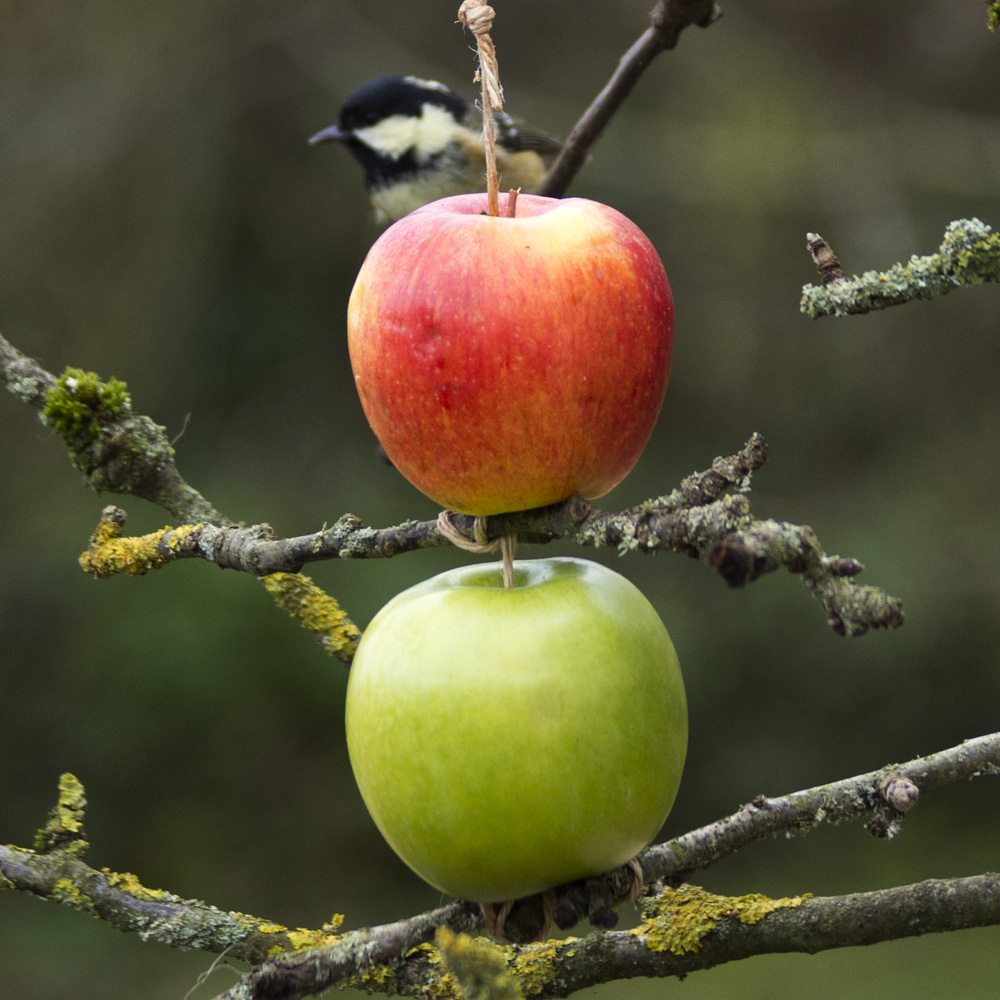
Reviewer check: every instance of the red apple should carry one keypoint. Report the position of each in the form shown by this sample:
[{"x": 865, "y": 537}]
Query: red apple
[{"x": 507, "y": 363}]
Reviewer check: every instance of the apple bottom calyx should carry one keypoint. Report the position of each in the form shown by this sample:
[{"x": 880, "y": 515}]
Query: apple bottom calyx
[
  {"x": 531, "y": 918},
  {"x": 507, "y": 741}
]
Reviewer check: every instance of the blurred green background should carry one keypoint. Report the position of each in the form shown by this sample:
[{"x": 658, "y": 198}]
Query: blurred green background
[{"x": 164, "y": 221}]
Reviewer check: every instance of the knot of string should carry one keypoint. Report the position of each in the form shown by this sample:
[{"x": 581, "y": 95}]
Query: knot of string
[
  {"x": 496, "y": 915},
  {"x": 480, "y": 542},
  {"x": 478, "y": 18}
]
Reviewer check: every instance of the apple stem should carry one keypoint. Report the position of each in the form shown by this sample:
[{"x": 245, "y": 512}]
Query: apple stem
[
  {"x": 478, "y": 18},
  {"x": 512, "y": 202}
]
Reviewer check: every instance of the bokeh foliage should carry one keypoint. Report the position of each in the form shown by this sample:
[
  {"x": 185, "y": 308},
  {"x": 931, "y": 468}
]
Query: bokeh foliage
[{"x": 164, "y": 222}]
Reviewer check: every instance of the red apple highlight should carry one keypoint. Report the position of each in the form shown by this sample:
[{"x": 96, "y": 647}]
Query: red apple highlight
[{"x": 508, "y": 363}]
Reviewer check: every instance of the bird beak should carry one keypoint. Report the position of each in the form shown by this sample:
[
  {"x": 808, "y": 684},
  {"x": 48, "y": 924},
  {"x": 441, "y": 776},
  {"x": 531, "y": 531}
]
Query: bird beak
[{"x": 332, "y": 134}]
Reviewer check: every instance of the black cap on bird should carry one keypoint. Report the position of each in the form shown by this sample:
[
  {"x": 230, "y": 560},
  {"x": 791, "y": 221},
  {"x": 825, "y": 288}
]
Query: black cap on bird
[{"x": 418, "y": 141}]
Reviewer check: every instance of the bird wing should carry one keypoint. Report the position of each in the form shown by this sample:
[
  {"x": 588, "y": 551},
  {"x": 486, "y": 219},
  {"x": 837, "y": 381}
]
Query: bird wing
[{"x": 518, "y": 136}]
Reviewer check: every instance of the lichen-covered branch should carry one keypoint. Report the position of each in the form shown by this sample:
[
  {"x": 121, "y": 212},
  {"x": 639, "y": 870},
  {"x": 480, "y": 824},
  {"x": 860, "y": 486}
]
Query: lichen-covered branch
[
  {"x": 126, "y": 453},
  {"x": 685, "y": 930},
  {"x": 699, "y": 518},
  {"x": 688, "y": 930},
  {"x": 119, "y": 451},
  {"x": 968, "y": 255},
  {"x": 55, "y": 870},
  {"x": 478, "y": 967},
  {"x": 881, "y": 798},
  {"x": 681, "y": 923},
  {"x": 666, "y": 22}
]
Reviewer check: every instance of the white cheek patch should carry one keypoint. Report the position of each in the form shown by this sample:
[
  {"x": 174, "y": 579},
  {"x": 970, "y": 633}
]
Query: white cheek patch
[
  {"x": 435, "y": 132},
  {"x": 391, "y": 137},
  {"x": 397, "y": 135}
]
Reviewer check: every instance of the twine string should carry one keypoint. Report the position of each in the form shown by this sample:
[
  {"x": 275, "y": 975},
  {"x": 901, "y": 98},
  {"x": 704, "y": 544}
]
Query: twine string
[
  {"x": 478, "y": 18},
  {"x": 480, "y": 542}
]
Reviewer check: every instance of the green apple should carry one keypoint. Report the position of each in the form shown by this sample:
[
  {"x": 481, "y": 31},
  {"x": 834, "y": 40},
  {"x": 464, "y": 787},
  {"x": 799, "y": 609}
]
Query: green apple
[{"x": 509, "y": 740}]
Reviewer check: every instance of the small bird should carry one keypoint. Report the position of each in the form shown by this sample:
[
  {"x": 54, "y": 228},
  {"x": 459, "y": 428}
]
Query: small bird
[{"x": 418, "y": 141}]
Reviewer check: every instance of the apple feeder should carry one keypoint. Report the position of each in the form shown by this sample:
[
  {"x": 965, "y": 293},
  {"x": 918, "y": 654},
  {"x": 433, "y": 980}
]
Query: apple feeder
[
  {"x": 507, "y": 740},
  {"x": 508, "y": 362}
]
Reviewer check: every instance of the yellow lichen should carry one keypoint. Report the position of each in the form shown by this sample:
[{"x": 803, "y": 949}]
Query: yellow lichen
[
  {"x": 445, "y": 986},
  {"x": 302, "y": 939},
  {"x": 317, "y": 611},
  {"x": 681, "y": 918},
  {"x": 109, "y": 552},
  {"x": 268, "y": 927},
  {"x": 130, "y": 883},
  {"x": 64, "y": 827},
  {"x": 478, "y": 965},
  {"x": 66, "y": 892},
  {"x": 376, "y": 978},
  {"x": 534, "y": 965}
]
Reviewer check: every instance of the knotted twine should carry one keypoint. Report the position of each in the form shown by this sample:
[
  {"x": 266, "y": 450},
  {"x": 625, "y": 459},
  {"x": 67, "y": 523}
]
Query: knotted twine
[
  {"x": 478, "y": 18},
  {"x": 480, "y": 542}
]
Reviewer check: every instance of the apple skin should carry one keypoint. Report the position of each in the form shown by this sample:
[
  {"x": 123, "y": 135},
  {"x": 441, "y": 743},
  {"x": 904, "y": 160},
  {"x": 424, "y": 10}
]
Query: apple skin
[
  {"x": 505, "y": 363},
  {"x": 507, "y": 741}
]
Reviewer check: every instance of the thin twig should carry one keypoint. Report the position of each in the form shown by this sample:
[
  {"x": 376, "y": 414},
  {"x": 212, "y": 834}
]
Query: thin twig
[
  {"x": 119, "y": 451},
  {"x": 666, "y": 22},
  {"x": 969, "y": 255}
]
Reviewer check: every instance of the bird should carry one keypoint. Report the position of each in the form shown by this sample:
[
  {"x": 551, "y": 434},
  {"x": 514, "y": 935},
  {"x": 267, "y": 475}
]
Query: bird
[{"x": 417, "y": 141}]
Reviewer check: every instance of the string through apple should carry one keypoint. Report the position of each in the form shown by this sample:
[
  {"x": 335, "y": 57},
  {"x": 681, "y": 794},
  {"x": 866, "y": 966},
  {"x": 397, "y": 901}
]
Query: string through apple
[
  {"x": 478, "y": 18},
  {"x": 480, "y": 543}
]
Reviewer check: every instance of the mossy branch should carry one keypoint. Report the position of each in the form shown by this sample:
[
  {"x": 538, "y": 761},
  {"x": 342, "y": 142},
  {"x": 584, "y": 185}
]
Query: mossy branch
[
  {"x": 700, "y": 518},
  {"x": 881, "y": 798},
  {"x": 685, "y": 928},
  {"x": 968, "y": 255},
  {"x": 697, "y": 931},
  {"x": 119, "y": 451},
  {"x": 116, "y": 449}
]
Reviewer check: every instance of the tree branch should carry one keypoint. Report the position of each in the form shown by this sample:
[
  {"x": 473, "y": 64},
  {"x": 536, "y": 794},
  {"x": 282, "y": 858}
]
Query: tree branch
[
  {"x": 688, "y": 930},
  {"x": 695, "y": 519},
  {"x": 381, "y": 959},
  {"x": 968, "y": 255},
  {"x": 123, "y": 452},
  {"x": 119, "y": 451},
  {"x": 881, "y": 797},
  {"x": 666, "y": 22}
]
